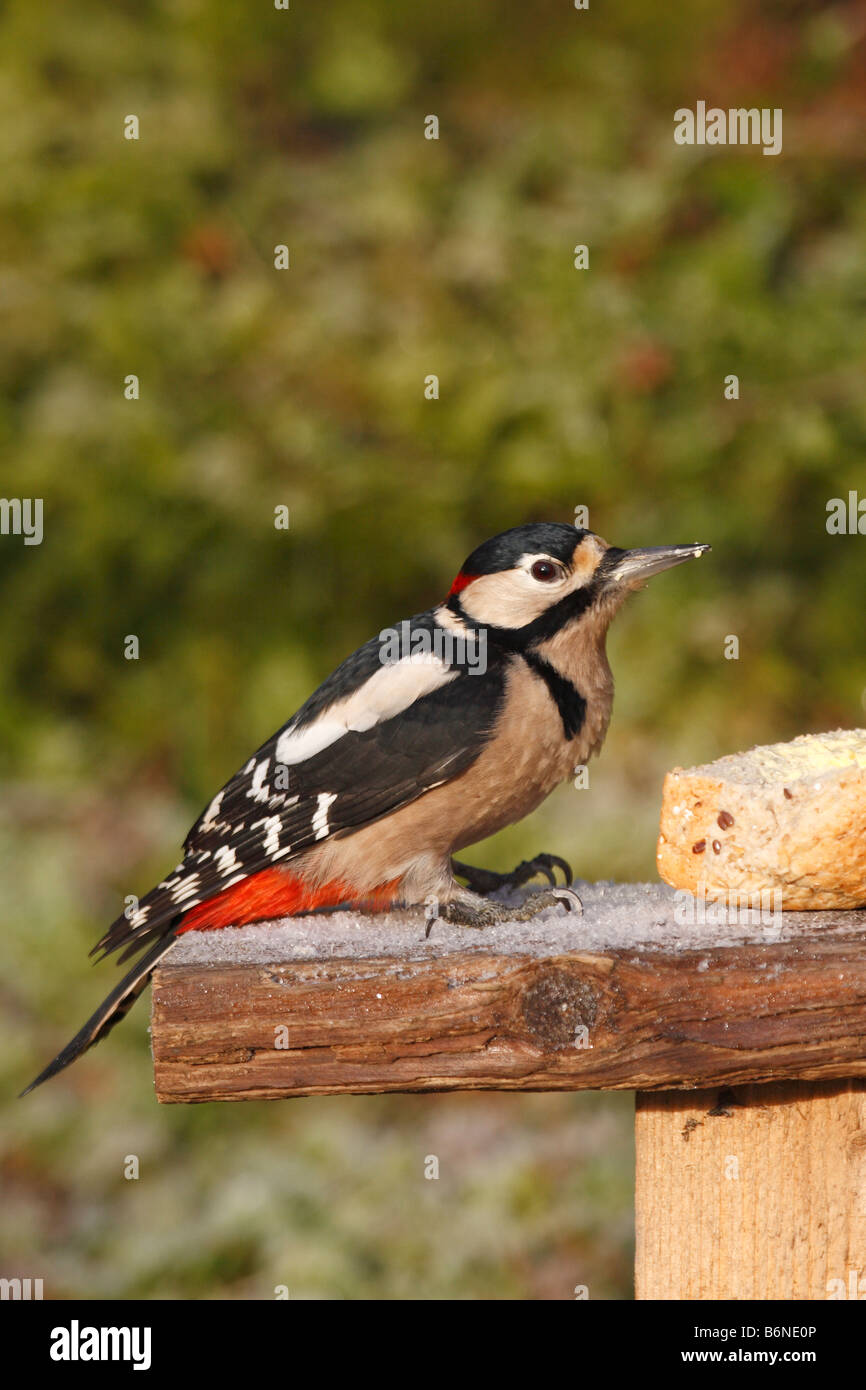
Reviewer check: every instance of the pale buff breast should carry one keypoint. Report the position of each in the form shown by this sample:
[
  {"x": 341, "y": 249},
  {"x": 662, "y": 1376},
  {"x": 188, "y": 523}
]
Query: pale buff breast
[{"x": 518, "y": 768}]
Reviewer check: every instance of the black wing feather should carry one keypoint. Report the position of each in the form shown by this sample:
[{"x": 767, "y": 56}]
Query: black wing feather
[{"x": 369, "y": 774}]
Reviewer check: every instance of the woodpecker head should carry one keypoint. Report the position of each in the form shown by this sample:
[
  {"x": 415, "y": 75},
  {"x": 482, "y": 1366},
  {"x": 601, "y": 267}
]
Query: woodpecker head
[{"x": 534, "y": 580}]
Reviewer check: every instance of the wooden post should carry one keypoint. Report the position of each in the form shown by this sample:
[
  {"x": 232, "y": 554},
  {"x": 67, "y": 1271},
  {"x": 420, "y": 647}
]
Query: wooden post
[
  {"x": 745, "y": 1041},
  {"x": 752, "y": 1192}
]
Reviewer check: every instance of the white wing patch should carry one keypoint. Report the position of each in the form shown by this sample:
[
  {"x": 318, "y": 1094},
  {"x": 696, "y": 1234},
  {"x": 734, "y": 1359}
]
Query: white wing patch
[
  {"x": 212, "y": 812},
  {"x": 225, "y": 859},
  {"x": 385, "y": 694},
  {"x": 186, "y": 890},
  {"x": 258, "y": 791},
  {"x": 271, "y": 834},
  {"x": 320, "y": 819},
  {"x": 297, "y": 747}
]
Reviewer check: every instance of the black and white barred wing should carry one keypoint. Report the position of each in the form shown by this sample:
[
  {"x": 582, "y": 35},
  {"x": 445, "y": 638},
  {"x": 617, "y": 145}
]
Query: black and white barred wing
[{"x": 341, "y": 763}]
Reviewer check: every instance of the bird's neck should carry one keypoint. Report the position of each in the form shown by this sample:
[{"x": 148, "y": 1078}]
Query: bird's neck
[{"x": 578, "y": 655}]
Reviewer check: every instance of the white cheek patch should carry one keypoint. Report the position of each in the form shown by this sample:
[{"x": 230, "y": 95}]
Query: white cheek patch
[
  {"x": 510, "y": 599},
  {"x": 389, "y": 691}
]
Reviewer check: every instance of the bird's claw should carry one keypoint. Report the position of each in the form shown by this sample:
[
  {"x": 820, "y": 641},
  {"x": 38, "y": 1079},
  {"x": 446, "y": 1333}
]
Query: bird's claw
[
  {"x": 486, "y": 881},
  {"x": 541, "y": 864},
  {"x": 552, "y": 897}
]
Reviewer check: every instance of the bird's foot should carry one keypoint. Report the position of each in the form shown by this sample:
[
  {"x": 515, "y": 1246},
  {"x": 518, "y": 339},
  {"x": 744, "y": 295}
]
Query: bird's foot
[
  {"x": 470, "y": 911},
  {"x": 486, "y": 881},
  {"x": 540, "y": 902}
]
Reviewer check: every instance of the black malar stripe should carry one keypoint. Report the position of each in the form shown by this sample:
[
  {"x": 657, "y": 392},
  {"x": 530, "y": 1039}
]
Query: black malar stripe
[{"x": 566, "y": 696}]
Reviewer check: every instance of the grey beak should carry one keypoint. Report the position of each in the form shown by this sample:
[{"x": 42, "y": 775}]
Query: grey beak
[{"x": 633, "y": 566}]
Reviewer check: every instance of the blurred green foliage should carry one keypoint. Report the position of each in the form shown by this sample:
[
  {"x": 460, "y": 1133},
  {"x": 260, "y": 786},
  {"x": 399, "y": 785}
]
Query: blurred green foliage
[{"x": 558, "y": 387}]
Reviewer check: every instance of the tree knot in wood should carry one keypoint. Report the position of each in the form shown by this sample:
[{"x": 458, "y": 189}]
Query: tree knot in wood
[
  {"x": 559, "y": 1009},
  {"x": 725, "y": 1100}
]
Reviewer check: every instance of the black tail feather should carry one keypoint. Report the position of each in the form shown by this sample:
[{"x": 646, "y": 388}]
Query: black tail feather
[{"x": 110, "y": 1011}]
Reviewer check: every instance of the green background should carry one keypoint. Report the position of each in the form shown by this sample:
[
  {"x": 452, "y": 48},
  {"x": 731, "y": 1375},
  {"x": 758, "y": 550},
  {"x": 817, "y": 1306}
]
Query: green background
[{"x": 305, "y": 388}]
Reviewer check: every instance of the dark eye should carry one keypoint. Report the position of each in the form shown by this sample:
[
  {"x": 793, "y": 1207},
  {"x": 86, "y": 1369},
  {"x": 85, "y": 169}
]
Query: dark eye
[{"x": 545, "y": 570}]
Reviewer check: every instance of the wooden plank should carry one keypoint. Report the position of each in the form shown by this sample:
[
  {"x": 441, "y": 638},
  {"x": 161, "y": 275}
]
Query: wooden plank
[
  {"x": 757, "y": 1192},
  {"x": 624, "y": 997}
]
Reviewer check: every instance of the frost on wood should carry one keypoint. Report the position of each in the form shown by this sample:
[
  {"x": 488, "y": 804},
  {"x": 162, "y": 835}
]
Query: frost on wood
[
  {"x": 624, "y": 996},
  {"x": 616, "y": 916}
]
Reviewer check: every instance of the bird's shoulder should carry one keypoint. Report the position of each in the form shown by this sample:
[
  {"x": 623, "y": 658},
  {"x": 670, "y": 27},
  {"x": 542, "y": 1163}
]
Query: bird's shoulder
[{"x": 410, "y": 708}]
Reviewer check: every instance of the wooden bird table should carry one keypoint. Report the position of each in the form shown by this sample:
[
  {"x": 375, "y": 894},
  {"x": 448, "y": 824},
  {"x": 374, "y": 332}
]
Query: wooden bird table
[{"x": 745, "y": 1042}]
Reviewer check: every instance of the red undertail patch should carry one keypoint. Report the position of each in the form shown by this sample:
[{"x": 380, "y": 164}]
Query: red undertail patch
[{"x": 278, "y": 893}]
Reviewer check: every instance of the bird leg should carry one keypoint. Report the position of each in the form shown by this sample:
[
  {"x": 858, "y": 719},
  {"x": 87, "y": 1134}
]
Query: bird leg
[
  {"x": 486, "y": 881},
  {"x": 469, "y": 910}
]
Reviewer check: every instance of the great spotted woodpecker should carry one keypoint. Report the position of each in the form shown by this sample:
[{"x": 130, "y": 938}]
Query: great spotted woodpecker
[{"x": 427, "y": 739}]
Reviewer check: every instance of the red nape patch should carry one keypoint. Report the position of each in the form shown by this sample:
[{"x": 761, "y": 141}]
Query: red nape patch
[
  {"x": 278, "y": 893},
  {"x": 460, "y": 583}
]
